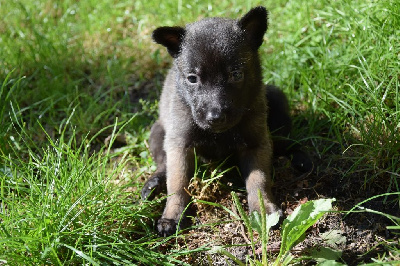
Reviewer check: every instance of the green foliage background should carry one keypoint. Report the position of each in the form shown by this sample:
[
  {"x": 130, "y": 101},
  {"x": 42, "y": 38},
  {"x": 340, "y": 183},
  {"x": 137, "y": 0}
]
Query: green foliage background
[{"x": 72, "y": 73}]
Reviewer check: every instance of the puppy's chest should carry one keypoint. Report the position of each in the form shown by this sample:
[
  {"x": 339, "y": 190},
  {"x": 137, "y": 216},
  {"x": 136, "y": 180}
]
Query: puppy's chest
[{"x": 213, "y": 146}]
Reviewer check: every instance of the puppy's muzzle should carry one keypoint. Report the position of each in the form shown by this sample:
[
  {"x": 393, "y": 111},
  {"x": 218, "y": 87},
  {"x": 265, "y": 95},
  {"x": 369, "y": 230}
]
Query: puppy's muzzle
[{"x": 215, "y": 117}]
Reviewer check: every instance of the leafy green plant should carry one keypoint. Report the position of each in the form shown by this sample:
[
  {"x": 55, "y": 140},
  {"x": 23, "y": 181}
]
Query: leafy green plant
[
  {"x": 292, "y": 232},
  {"x": 296, "y": 224}
]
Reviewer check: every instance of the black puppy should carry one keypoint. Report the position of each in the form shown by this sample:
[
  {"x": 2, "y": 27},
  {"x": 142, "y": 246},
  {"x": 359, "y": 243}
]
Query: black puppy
[{"x": 214, "y": 102}]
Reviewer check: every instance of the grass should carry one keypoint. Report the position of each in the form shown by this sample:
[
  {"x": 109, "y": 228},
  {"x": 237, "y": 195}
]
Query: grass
[{"x": 72, "y": 73}]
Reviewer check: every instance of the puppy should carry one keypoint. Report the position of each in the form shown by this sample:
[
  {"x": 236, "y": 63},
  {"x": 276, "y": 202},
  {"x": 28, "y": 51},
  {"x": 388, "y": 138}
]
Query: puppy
[{"x": 214, "y": 103}]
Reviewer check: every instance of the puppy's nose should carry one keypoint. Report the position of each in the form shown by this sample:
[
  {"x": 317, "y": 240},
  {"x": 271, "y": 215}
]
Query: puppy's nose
[{"x": 215, "y": 116}]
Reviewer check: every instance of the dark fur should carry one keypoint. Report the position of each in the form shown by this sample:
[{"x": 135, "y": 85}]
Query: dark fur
[{"x": 214, "y": 102}]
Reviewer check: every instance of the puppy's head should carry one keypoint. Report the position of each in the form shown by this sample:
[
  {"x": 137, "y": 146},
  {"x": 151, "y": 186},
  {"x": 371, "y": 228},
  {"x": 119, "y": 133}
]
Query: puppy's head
[{"x": 218, "y": 72}]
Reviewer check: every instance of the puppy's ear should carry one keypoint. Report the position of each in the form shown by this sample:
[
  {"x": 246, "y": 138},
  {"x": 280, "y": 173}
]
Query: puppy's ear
[
  {"x": 255, "y": 23},
  {"x": 170, "y": 37}
]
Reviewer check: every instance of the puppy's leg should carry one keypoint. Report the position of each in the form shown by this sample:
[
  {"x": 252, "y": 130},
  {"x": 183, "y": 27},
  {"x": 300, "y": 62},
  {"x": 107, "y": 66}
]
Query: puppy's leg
[
  {"x": 180, "y": 164},
  {"x": 255, "y": 166},
  {"x": 157, "y": 182},
  {"x": 280, "y": 125}
]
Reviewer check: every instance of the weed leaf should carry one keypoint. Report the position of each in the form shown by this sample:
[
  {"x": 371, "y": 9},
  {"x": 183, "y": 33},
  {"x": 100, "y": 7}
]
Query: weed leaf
[
  {"x": 256, "y": 223},
  {"x": 334, "y": 238},
  {"x": 324, "y": 254},
  {"x": 296, "y": 224}
]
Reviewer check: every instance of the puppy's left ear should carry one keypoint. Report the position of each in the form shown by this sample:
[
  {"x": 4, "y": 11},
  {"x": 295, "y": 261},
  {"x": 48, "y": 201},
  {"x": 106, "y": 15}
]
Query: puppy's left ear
[{"x": 255, "y": 24}]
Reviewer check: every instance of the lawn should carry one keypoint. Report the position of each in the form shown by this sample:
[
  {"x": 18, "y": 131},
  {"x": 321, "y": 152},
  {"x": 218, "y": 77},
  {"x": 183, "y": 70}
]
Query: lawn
[{"x": 79, "y": 88}]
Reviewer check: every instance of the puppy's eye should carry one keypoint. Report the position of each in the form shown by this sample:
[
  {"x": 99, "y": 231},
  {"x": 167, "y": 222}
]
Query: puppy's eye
[
  {"x": 193, "y": 79},
  {"x": 237, "y": 75}
]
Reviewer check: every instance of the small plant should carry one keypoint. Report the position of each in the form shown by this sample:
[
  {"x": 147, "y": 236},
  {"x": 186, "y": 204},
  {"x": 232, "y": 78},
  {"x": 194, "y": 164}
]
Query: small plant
[
  {"x": 205, "y": 183},
  {"x": 292, "y": 232}
]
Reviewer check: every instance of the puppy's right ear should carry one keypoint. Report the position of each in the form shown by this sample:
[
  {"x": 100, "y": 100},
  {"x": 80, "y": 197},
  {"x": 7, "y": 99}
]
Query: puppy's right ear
[{"x": 170, "y": 37}]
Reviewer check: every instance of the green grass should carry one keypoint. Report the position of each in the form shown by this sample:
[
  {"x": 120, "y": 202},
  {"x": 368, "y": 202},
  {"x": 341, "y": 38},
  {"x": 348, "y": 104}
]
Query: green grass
[
  {"x": 71, "y": 73},
  {"x": 342, "y": 61}
]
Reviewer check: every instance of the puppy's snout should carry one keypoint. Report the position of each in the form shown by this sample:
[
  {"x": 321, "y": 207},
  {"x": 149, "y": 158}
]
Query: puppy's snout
[{"x": 215, "y": 116}]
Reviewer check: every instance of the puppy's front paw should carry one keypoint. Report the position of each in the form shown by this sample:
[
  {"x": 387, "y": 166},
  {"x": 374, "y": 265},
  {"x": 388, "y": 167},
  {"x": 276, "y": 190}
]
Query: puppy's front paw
[
  {"x": 272, "y": 208},
  {"x": 166, "y": 227},
  {"x": 154, "y": 186},
  {"x": 269, "y": 208}
]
